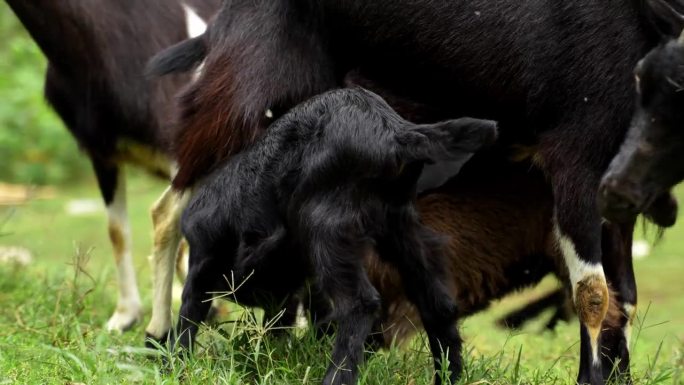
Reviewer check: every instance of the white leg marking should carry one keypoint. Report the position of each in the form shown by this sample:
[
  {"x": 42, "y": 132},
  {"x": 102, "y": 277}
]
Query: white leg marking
[
  {"x": 593, "y": 340},
  {"x": 182, "y": 261},
  {"x": 128, "y": 308},
  {"x": 577, "y": 268},
  {"x": 630, "y": 312},
  {"x": 166, "y": 218},
  {"x": 578, "y": 271}
]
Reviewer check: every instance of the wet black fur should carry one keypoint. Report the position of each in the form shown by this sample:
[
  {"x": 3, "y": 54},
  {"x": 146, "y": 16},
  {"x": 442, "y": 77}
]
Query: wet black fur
[{"x": 332, "y": 181}]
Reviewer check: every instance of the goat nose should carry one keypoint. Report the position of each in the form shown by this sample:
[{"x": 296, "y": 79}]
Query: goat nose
[{"x": 616, "y": 204}]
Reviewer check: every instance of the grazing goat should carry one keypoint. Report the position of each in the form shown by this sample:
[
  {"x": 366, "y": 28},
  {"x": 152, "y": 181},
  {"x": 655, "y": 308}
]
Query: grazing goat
[
  {"x": 96, "y": 52},
  {"x": 651, "y": 160},
  {"x": 331, "y": 183},
  {"x": 558, "y": 78}
]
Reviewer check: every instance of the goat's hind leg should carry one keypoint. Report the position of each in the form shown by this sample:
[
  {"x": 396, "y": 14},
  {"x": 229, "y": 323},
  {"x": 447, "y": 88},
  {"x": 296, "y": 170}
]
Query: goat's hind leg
[
  {"x": 416, "y": 252},
  {"x": 112, "y": 182},
  {"x": 355, "y": 304}
]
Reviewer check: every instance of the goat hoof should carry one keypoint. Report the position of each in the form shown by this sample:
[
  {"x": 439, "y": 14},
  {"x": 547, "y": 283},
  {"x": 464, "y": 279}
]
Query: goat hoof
[
  {"x": 122, "y": 321},
  {"x": 153, "y": 342}
]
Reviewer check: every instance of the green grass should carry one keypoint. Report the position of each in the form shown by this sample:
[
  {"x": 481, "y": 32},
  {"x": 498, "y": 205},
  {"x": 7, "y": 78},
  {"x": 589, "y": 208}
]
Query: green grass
[{"x": 52, "y": 315}]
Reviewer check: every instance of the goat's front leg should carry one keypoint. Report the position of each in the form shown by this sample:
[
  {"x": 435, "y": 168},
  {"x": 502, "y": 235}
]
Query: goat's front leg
[
  {"x": 417, "y": 253},
  {"x": 166, "y": 213},
  {"x": 579, "y": 238},
  {"x": 575, "y": 177},
  {"x": 204, "y": 277},
  {"x": 341, "y": 278}
]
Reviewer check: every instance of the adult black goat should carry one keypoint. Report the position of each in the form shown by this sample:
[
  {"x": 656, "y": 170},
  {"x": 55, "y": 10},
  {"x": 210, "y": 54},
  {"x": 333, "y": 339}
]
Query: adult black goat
[{"x": 558, "y": 78}]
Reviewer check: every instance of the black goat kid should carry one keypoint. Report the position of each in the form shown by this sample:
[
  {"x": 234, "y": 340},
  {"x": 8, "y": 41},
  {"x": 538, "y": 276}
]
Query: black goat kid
[{"x": 331, "y": 183}]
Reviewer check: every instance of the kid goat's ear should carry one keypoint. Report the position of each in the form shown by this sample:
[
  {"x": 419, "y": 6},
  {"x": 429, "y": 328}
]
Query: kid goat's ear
[{"x": 451, "y": 140}]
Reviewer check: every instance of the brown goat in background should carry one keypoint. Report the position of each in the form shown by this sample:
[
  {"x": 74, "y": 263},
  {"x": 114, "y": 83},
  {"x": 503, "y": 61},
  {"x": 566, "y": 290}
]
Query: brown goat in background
[{"x": 498, "y": 219}]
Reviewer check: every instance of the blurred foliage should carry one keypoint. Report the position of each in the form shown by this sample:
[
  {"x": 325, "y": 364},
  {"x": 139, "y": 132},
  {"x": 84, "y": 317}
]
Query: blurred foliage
[{"x": 35, "y": 148}]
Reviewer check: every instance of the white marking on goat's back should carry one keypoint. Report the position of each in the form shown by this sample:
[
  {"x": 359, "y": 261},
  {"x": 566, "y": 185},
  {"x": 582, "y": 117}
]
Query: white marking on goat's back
[
  {"x": 193, "y": 22},
  {"x": 196, "y": 26}
]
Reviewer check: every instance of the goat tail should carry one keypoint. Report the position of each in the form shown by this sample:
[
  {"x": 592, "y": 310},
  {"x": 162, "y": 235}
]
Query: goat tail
[{"x": 181, "y": 57}]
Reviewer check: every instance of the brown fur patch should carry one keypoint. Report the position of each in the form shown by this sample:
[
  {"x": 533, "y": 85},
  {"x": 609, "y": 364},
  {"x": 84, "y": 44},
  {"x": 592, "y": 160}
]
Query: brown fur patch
[
  {"x": 118, "y": 243},
  {"x": 498, "y": 223},
  {"x": 592, "y": 300},
  {"x": 256, "y": 61},
  {"x": 614, "y": 316},
  {"x": 214, "y": 123}
]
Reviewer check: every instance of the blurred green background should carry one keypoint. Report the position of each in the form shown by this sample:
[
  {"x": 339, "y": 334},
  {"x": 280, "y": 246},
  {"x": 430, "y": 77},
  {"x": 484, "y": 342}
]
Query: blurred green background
[{"x": 35, "y": 148}]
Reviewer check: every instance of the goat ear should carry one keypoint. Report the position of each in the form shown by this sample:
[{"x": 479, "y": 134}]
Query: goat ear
[
  {"x": 181, "y": 57},
  {"x": 451, "y": 140},
  {"x": 669, "y": 16}
]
